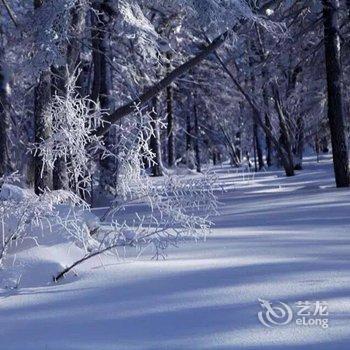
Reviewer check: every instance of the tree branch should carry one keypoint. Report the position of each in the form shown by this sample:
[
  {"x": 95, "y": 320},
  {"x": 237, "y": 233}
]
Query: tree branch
[
  {"x": 254, "y": 107},
  {"x": 159, "y": 86}
]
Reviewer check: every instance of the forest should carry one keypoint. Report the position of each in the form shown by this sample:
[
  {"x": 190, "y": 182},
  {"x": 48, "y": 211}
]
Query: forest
[{"x": 174, "y": 174}]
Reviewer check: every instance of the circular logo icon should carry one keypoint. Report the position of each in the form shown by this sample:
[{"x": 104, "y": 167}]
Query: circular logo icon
[{"x": 274, "y": 315}]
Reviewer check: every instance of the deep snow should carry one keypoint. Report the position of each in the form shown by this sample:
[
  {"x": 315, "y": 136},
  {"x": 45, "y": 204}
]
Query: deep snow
[{"x": 276, "y": 238}]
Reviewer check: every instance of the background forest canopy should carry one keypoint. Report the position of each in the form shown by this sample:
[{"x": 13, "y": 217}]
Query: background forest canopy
[
  {"x": 218, "y": 79},
  {"x": 98, "y": 95}
]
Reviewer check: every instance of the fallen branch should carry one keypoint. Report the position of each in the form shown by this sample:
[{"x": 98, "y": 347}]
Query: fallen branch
[{"x": 86, "y": 257}]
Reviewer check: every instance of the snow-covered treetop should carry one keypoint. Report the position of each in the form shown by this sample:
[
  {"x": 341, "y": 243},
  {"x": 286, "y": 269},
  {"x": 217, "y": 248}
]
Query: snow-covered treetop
[{"x": 212, "y": 16}]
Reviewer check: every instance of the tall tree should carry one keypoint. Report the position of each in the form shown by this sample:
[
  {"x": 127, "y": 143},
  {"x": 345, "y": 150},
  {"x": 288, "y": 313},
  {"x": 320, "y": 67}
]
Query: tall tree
[
  {"x": 170, "y": 118},
  {"x": 42, "y": 126},
  {"x": 334, "y": 92},
  {"x": 4, "y": 111},
  {"x": 102, "y": 16},
  {"x": 60, "y": 78}
]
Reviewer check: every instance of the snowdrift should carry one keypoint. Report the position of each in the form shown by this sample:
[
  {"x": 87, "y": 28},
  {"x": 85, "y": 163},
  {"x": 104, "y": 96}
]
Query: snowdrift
[{"x": 45, "y": 242}]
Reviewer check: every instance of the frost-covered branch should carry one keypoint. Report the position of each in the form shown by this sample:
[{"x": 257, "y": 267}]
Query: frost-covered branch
[
  {"x": 22, "y": 213},
  {"x": 74, "y": 120}
]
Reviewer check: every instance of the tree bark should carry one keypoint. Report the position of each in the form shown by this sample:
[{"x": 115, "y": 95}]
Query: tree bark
[
  {"x": 299, "y": 147},
  {"x": 170, "y": 120},
  {"x": 101, "y": 86},
  {"x": 59, "y": 81},
  {"x": 258, "y": 148},
  {"x": 334, "y": 91},
  {"x": 77, "y": 26},
  {"x": 155, "y": 143},
  {"x": 58, "y": 86},
  {"x": 267, "y": 118},
  {"x": 258, "y": 154},
  {"x": 285, "y": 138},
  {"x": 197, "y": 135},
  {"x": 188, "y": 133},
  {"x": 4, "y": 116},
  {"x": 42, "y": 126},
  {"x": 61, "y": 75},
  {"x": 97, "y": 36}
]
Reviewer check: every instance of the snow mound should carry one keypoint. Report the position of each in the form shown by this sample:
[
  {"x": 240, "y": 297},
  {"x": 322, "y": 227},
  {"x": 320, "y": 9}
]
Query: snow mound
[
  {"x": 37, "y": 265},
  {"x": 41, "y": 235},
  {"x": 14, "y": 193}
]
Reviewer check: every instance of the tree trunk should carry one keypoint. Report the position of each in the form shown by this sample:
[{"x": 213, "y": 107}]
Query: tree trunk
[
  {"x": 188, "y": 133},
  {"x": 101, "y": 87},
  {"x": 261, "y": 51},
  {"x": 76, "y": 32},
  {"x": 4, "y": 116},
  {"x": 285, "y": 138},
  {"x": 258, "y": 154},
  {"x": 42, "y": 126},
  {"x": 259, "y": 151},
  {"x": 299, "y": 147},
  {"x": 238, "y": 147},
  {"x": 197, "y": 136},
  {"x": 267, "y": 118},
  {"x": 269, "y": 152},
  {"x": 59, "y": 81},
  {"x": 334, "y": 90},
  {"x": 189, "y": 140},
  {"x": 214, "y": 157},
  {"x": 255, "y": 129},
  {"x": 170, "y": 120},
  {"x": 97, "y": 36},
  {"x": 58, "y": 86},
  {"x": 155, "y": 143}
]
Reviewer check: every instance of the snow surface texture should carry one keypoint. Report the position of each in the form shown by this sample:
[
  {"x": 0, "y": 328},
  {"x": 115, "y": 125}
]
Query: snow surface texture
[{"x": 276, "y": 238}]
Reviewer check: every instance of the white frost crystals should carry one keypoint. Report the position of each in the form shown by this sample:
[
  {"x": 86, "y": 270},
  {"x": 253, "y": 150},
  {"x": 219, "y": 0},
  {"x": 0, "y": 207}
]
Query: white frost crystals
[
  {"x": 73, "y": 120},
  {"x": 215, "y": 16},
  {"x": 173, "y": 209},
  {"x": 24, "y": 215},
  {"x": 178, "y": 209}
]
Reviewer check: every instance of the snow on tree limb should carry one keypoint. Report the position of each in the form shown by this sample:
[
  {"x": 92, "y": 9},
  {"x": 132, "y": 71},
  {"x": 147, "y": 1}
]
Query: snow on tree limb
[{"x": 236, "y": 12}]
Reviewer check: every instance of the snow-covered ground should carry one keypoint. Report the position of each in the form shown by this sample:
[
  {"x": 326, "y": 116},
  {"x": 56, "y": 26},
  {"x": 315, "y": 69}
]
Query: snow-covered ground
[{"x": 276, "y": 239}]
